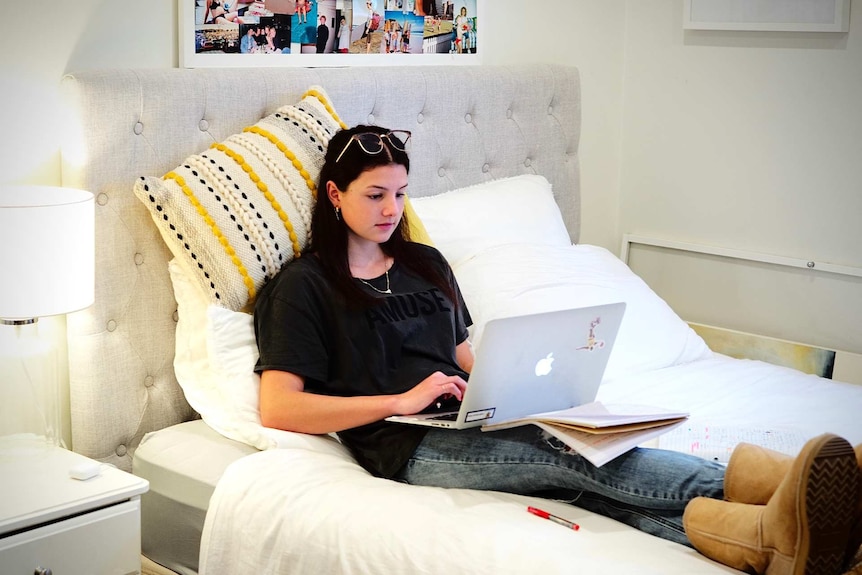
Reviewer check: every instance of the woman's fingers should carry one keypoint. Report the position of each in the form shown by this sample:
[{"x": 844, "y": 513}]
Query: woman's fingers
[{"x": 453, "y": 385}]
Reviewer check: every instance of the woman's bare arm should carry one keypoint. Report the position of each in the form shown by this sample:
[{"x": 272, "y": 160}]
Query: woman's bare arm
[
  {"x": 464, "y": 355},
  {"x": 284, "y": 403}
]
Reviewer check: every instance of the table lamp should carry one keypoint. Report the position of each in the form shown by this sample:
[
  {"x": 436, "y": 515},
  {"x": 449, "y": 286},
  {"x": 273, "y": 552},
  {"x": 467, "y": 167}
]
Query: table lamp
[{"x": 47, "y": 261}]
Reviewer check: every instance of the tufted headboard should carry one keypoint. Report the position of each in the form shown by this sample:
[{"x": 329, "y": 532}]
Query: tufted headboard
[{"x": 469, "y": 124}]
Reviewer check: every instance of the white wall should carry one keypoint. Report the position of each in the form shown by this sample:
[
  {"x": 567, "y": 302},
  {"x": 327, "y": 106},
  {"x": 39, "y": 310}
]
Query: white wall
[
  {"x": 746, "y": 140},
  {"x": 85, "y": 34},
  {"x": 69, "y": 36},
  {"x": 589, "y": 34}
]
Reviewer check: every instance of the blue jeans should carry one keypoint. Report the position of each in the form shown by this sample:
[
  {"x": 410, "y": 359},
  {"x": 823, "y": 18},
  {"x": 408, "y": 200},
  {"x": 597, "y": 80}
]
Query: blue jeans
[{"x": 645, "y": 488}]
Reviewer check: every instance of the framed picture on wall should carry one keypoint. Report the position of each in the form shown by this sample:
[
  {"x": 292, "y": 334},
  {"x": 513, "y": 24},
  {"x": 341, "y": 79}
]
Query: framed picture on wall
[
  {"x": 767, "y": 15},
  {"x": 227, "y": 33}
]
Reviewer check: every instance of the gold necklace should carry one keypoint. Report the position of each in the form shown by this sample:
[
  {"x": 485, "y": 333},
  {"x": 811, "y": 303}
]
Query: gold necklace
[{"x": 383, "y": 291}]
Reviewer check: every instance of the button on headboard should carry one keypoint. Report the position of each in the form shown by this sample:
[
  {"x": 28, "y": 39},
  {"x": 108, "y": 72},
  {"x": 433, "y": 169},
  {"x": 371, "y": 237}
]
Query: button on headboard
[{"x": 469, "y": 124}]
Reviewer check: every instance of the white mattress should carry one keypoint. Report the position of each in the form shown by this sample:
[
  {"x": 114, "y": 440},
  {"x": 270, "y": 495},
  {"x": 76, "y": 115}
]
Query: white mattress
[
  {"x": 183, "y": 463},
  {"x": 728, "y": 392}
]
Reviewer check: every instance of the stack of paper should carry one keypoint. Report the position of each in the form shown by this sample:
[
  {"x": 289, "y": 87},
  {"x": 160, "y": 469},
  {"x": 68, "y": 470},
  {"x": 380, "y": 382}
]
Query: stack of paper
[{"x": 600, "y": 432}]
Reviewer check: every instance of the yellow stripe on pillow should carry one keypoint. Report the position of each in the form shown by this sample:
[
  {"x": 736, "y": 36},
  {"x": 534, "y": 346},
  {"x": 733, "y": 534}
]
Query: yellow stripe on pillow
[
  {"x": 287, "y": 154},
  {"x": 257, "y": 189},
  {"x": 249, "y": 283},
  {"x": 323, "y": 99},
  {"x": 282, "y": 215}
]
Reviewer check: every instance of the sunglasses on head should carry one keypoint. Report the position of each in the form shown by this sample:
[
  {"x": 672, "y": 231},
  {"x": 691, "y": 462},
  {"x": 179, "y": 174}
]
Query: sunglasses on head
[{"x": 372, "y": 142}]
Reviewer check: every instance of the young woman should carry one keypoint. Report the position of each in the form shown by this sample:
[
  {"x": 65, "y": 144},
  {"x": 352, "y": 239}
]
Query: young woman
[
  {"x": 367, "y": 324},
  {"x": 387, "y": 35},
  {"x": 369, "y": 23},
  {"x": 303, "y": 7},
  {"x": 405, "y": 36},
  {"x": 462, "y": 31},
  {"x": 343, "y": 36},
  {"x": 219, "y": 12}
]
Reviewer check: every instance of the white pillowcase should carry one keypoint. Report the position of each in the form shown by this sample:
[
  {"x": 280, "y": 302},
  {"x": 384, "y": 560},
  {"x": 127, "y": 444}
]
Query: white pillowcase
[
  {"x": 214, "y": 363},
  {"x": 520, "y": 209},
  {"x": 516, "y": 279}
]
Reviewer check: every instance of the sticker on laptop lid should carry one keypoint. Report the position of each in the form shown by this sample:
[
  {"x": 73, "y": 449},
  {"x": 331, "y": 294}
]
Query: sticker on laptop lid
[
  {"x": 593, "y": 342},
  {"x": 480, "y": 414}
]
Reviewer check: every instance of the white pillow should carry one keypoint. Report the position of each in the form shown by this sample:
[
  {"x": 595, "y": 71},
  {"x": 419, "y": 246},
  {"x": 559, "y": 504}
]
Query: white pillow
[
  {"x": 214, "y": 363},
  {"x": 518, "y": 279},
  {"x": 520, "y": 209}
]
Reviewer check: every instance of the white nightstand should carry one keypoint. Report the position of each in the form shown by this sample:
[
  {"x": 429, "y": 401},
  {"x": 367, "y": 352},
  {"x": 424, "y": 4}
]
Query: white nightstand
[{"x": 50, "y": 521}]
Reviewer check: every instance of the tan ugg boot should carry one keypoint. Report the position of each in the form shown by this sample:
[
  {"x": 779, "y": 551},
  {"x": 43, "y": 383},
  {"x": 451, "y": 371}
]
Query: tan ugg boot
[
  {"x": 754, "y": 473},
  {"x": 802, "y": 530}
]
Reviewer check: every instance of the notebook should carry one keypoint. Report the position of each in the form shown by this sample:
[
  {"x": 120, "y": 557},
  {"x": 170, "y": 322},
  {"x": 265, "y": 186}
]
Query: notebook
[{"x": 531, "y": 364}]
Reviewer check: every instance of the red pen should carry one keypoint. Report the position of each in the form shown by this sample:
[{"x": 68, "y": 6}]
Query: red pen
[{"x": 554, "y": 518}]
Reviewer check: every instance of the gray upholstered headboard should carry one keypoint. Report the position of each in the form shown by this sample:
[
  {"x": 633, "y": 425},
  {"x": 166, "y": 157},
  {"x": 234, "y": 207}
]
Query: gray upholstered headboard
[{"x": 469, "y": 124}]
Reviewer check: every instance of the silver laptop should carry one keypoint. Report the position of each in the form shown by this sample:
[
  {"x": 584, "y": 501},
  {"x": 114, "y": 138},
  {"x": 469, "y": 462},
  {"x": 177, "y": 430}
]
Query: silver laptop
[{"x": 533, "y": 363}]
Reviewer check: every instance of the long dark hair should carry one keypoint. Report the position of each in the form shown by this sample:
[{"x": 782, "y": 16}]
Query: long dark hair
[{"x": 329, "y": 233}]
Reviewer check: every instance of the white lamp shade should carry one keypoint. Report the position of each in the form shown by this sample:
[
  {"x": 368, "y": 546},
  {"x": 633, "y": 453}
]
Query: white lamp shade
[{"x": 47, "y": 251}]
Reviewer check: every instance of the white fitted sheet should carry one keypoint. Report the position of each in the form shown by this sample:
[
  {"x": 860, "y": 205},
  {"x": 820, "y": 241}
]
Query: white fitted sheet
[{"x": 183, "y": 464}]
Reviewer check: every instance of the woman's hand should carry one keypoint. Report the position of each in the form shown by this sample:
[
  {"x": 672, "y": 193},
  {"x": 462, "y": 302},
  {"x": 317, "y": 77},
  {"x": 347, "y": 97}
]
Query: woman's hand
[{"x": 435, "y": 385}]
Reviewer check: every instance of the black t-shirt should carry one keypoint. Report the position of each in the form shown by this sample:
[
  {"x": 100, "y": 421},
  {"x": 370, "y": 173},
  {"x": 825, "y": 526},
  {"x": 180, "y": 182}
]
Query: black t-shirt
[{"x": 304, "y": 327}]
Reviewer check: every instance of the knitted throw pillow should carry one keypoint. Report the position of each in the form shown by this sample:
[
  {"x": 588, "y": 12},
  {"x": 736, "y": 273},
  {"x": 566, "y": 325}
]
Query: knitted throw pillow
[{"x": 235, "y": 214}]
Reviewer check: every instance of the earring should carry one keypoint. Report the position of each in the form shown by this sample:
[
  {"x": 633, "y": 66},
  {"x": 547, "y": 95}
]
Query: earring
[{"x": 337, "y": 213}]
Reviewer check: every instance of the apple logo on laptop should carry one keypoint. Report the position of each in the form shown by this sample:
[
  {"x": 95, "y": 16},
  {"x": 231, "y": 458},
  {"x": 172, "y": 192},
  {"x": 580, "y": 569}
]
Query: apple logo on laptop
[{"x": 543, "y": 366}]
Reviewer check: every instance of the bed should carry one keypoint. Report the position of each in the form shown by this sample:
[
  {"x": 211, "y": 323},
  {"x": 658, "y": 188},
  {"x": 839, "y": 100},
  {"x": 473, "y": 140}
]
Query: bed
[{"x": 160, "y": 365}]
